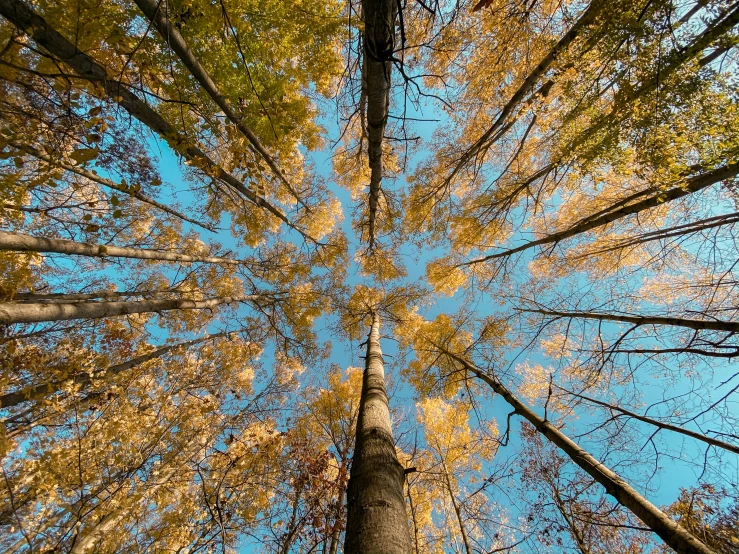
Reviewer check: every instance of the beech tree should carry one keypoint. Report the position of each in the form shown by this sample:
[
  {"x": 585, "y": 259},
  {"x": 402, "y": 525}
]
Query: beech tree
[{"x": 213, "y": 213}]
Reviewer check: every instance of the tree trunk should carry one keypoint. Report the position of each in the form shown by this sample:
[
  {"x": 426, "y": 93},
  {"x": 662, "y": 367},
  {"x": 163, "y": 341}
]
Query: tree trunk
[
  {"x": 378, "y": 50},
  {"x": 34, "y": 313},
  {"x": 46, "y": 389},
  {"x": 376, "y": 517},
  {"x": 457, "y": 509},
  {"x": 26, "y": 243},
  {"x": 676, "y": 536}
]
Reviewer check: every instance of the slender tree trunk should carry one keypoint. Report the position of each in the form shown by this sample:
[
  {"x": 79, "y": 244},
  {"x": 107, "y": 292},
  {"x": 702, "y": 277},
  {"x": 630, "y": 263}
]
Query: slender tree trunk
[
  {"x": 157, "y": 14},
  {"x": 676, "y": 536},
  {"x": 110, "y": 521},
  {"x": 696, "y": 324},
  {"x": 376, "y": 517},
  {"x": 26, "y": 243},
  {"x": 123, "y": 189},
  {"x": 379, "y": 46},
  {"x": 34, "y": 313},
  {"x": 46, "y": 389},
  {"x": 20, "y": 14},
  {"x": 574, "y": 530},
  {"x": 336, "y": 528}
]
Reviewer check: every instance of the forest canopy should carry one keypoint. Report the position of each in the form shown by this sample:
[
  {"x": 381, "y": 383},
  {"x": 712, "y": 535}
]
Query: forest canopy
[{"x": 393, "y": 276}]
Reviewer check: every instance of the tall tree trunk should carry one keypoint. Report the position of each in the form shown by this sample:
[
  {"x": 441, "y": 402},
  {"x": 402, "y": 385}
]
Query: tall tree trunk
[
  {"x": 378, "y": 50},
  {"x": 26, "y": 243},
  {"x": 455, "y": 505},
  {"x": 34, "y": 313},
  {"x": 376, "y": 517},
  {"x": 35, "y": 392},
  {"x": 676, "y": 536}
]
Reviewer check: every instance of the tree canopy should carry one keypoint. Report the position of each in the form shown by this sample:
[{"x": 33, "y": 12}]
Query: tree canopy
[{"x": 369, "y": 276}]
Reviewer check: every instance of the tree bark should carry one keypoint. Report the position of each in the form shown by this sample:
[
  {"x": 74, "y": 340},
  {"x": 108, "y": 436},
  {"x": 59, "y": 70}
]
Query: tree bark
[
  {"x": 692, "y": 185},
  {"x": 378, "y": 51},
  {"x": 695, "y": 324},
  {"x": 35, "y": 26},
  {"x": 376, "y": 517},
  {"x": 676, "y": 536},
  {"x": 46, "y": 389},
  {"x": 157, "y": 14},
  {"x": 26, "y": 243},
  {"x": 34, "y": 313}
]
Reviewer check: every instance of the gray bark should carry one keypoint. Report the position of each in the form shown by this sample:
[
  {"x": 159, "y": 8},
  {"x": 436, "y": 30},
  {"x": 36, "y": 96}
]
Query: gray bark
[
  {"x": 34, "y": 313},
  {"x": 376, "y": 517},
  {"x": 378, "y": 50},
  {"x": 26, "y": 243},
  {"x": 676, "y": 536},
  {"x": 46, "y": 389},
  {"x": 35, "y": 26},
  {"x": 157, "y": 14}
]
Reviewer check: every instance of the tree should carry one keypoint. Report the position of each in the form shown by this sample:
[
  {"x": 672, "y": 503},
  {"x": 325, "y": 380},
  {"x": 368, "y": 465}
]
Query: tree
[{"x": 177, "y": 287}]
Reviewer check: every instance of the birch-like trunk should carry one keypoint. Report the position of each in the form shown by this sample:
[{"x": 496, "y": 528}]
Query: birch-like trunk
[
  {"x": 34, "y": 313},
  {"x": 376, "y": 517},
  {"x": 674, "y": 535},
  {"x": 19, "y": 242}
]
